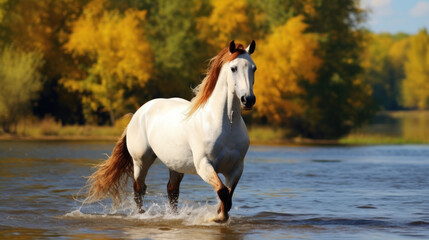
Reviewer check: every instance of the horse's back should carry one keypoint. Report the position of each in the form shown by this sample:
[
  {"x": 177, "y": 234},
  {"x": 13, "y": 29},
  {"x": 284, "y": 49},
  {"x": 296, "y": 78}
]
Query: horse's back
[{"x": 160, "y": 126}]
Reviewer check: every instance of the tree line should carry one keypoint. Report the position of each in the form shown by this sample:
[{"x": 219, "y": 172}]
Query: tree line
[{"x": 320, "y": 72}]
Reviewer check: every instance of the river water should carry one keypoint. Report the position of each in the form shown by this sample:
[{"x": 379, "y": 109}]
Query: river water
[{"x": 312, "y": 192}]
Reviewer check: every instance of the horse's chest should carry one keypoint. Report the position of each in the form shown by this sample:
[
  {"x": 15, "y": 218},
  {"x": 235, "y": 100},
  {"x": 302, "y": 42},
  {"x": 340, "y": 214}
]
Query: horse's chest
[
  {"x": 226, "y": 160},
  {"x": 226, "y": 151}
]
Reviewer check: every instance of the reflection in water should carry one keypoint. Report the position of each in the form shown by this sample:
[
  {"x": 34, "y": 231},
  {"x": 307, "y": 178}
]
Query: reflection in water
[
  {"x": 285, "y": 192},
  {"x": 185, "y": 233},
  {"x": 412, "y": 125}
]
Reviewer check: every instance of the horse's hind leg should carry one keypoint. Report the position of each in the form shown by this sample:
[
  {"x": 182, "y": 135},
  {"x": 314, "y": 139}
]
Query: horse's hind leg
[
  {"x": 141, "y": 167},
  {"x": 173, "y": 188}
]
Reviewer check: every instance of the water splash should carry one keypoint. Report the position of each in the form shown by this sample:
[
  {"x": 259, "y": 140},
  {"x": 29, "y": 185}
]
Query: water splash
[{"x": 188, "y": 213}]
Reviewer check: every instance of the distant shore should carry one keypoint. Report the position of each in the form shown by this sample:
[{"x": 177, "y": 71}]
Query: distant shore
[
  {"x": 258, "y": 136},
  {"x": 394, "y": 127}
]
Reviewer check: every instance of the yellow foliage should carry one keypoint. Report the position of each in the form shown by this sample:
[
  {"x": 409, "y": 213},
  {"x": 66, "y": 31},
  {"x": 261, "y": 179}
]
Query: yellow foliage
[
  {"x": 20, "y": 82},
  {"x": 122, "y": 122},
  {"x": 43, "y": 26},
  {"x": 122, "y": 56},
  {"x": 227, "y": 21},
  {"x": 376, "y": 51},
  {"x": 309, "y": 7},
  {"x": 415, "y": 87},
  {"x": 284, "y": 58},
  {"x": 398, "y": 52},
  {"x": 2, "y": 11}
]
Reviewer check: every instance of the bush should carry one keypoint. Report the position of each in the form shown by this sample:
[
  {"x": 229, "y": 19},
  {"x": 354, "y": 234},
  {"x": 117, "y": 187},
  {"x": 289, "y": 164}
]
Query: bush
[{"x": 19, "y": 83}]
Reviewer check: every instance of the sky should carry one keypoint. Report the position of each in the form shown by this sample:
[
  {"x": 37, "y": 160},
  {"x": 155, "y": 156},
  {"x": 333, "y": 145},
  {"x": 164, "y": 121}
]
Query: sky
[{"x": 395, "y": 16}]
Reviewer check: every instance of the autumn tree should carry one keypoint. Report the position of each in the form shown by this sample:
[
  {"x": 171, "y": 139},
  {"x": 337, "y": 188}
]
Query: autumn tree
[
  {"x": 383, "y": 63},
  {"x": 415, "y": 88},
  {"x": 276, "y": 12},
  {"x": 120, "y": 54},
  {"x": 340, "y": 99},
  {"x": 20, "y": 81},
  {"x": 397, "y": 57},
  {"x": 285, "y": 59},
  {"x": 2, "y": 10},
  {"x": 43, "y": 26},
  {"x": 179, "y": 54},
  {"x": 228, "y": 19}
]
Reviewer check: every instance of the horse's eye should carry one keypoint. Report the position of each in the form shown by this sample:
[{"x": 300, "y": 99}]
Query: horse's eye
[{"x": 234, "y": 69}]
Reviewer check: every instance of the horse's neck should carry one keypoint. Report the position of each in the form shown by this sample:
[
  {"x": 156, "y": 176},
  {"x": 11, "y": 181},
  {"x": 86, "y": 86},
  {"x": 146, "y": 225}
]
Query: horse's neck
[{"x": 223, "y": 105}]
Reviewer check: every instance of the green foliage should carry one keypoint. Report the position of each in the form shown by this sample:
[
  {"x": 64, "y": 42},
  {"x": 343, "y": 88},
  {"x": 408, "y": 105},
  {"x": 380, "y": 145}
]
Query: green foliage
[
  {"x": 383, "y": 62},
  {"x": 178, "y": 52},
  {"x": 2, "y": 10},
  {"x": 339, "y": 100},
  {"x": 19, "y": 83},
  {"x": 276, "y": 12}
]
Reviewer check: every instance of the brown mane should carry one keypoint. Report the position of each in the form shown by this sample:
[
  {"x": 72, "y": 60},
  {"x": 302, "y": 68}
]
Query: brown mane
[{"x": 205, "y": 89}]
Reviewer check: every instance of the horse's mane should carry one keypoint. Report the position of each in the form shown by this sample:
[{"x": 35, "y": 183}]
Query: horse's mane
[{"x": 205, "y": 89}]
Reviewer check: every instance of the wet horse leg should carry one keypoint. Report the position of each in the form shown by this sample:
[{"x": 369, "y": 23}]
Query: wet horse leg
[
  {"x": 141, "y": 167},
  {"x": 209, "y": 175},
  {"x": 173, "y": 188},
  {"x": 231, "y": 181}
]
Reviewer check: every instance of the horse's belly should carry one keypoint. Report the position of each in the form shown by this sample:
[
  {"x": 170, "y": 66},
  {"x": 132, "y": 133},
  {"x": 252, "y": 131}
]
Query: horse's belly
[
  {"x": 174, "y": 152},
  {"x": 167, "y": 136},
  {"x": 181, "y": 165}
]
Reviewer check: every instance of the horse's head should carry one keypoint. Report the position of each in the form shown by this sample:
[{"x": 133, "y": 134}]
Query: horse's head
[{"x": 242, "y": 75}]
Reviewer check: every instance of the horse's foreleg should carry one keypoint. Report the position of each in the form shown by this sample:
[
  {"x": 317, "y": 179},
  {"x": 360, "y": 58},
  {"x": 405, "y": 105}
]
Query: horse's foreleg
[
  {"x": 141, "y": 167},
  {"x": 231, "y": 181},
  {"x": 209, "y": 175},
  {"x": 173, "y": 188}
]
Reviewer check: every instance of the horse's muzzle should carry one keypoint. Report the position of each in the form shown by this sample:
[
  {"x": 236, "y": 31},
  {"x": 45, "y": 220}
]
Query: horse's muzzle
[{"x": 248, "y": 101}]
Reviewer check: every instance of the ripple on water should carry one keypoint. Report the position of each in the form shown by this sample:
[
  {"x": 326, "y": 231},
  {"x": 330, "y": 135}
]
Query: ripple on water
[{"x": 306, "y": 192}]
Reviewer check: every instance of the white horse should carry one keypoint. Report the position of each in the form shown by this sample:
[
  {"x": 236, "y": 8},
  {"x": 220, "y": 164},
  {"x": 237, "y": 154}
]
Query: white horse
[{"x": 206, "y": 136}]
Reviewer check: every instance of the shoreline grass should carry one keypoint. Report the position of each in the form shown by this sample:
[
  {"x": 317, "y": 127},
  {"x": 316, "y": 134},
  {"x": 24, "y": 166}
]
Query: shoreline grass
[
  {"x": 258, "y": 136},
  {"x": 50, "y": 130},
  {"x": 374, "y": 139}
]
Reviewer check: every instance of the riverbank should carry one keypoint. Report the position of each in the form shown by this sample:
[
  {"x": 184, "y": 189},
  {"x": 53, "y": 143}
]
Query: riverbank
[
  {"x": 399, "y": 127},
  {"x": 258, "y": 136}
]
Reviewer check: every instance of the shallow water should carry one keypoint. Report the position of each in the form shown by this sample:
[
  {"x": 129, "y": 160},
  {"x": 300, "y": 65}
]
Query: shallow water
[{"x": 337, "y": 192}]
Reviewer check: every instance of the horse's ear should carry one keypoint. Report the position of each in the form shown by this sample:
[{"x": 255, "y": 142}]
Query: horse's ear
[
  {"x": 232, "y": 48},
  {"x": 251, "y": 48}
]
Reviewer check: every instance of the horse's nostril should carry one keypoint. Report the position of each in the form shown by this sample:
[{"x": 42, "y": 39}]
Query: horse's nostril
[
  {"x": 243, "y": 99},
  {"x": 250, "y": 101}
]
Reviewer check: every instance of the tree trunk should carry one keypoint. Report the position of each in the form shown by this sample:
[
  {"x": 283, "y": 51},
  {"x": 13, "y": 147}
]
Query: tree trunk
[{"x": 112, "y": 116}]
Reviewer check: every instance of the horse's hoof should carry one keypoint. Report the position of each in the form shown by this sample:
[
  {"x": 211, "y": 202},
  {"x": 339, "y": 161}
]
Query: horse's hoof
[
  {"x": 219, "y": 219},
  {"x": 141, "y": 211}
]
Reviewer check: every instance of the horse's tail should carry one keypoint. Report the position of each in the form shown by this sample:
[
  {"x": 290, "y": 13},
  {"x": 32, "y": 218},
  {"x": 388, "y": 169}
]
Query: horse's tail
[{"x": 111, "y": 175}]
